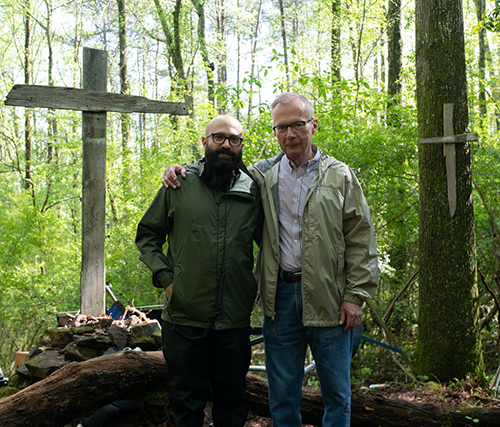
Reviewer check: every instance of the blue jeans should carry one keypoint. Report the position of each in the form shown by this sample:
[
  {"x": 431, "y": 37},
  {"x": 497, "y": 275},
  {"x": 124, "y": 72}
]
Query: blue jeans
[{"x": 286, "y": 341}]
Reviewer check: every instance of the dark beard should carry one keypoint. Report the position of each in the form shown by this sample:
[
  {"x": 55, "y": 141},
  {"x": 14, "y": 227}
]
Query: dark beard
[{"x": 223, "y": 167}]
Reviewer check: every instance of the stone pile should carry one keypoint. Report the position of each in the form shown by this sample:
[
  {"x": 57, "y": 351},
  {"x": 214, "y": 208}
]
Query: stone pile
[{"x": 80, "y": 338}]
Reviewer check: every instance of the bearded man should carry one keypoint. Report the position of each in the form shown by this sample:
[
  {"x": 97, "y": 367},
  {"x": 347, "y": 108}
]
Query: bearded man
[{"x": 210, "y": 290}]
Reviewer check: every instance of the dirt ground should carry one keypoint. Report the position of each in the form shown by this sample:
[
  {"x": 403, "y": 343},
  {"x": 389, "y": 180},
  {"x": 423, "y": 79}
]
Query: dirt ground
[{"x": 455, "y": 396}]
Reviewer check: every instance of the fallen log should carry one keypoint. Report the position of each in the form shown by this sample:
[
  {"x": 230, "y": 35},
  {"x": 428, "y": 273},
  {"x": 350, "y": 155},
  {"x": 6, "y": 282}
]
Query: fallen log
[{"x": 82, "y": 387}]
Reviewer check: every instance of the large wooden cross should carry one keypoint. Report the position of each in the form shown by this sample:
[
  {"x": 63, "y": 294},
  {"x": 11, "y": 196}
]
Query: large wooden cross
[
  {"x": 93, "y": 101},
  {"x": 449, "y": 140}
]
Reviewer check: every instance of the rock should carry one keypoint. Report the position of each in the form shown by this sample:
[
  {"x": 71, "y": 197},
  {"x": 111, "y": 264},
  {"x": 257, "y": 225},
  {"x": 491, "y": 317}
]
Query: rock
[
  {"x": 57, "y": 337},
  {"x": 80, "y": 330},
  {"x": 145, "y": 329},
  {"x": 118, "y": 337},
  {"x": 45, "y": 363},
  {"x": 145, "y": 343},
  {"x": 95, "y": 340},
  {"x": 77, "y": 353}
]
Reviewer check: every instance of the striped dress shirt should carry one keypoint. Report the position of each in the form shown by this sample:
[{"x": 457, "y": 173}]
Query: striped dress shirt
[{"x": 293, "y": 185}]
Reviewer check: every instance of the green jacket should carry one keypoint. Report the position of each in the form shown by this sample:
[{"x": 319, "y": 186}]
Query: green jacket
[
  {"x": 207, "y": 229},
  {"x": 339, "y": 260}
]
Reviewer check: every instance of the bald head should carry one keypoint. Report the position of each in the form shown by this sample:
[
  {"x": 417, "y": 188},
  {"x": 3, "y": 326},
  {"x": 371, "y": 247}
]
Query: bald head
[{"x": 225, "y": 124}]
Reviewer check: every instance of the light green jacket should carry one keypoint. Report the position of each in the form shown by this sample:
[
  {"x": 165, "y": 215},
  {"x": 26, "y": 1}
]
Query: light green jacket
[{"x": 339, "y": 261}]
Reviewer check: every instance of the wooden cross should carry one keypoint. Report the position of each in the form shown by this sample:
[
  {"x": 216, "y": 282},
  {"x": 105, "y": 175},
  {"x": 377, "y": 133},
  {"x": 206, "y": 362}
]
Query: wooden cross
[
  {"x": 449, "y": 140},
  {"x": 93, "y": 101}
]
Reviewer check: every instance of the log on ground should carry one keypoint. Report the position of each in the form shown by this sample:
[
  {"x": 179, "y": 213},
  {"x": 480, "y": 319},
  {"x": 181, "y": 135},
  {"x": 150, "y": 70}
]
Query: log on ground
[{"x": 80, "y": 388}]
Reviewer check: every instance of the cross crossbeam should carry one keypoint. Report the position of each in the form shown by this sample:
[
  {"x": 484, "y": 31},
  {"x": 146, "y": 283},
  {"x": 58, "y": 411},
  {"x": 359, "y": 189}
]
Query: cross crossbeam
[
  {"x": 449, "y": 140},
  {"x": 93, "y": 101}
]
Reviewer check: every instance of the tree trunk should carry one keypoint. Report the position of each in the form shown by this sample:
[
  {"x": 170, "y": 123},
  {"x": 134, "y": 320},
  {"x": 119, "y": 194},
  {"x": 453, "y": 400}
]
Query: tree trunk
[
  {"x": 394, "y": 48},
  {"x": 28, "y": 183},
  {"x": 80, "y": 388},
  {"x": 174, "y": 48},
  {"x": 222, "y": 53},
  {"x": 253, "y": 60},
  {"x": 124, "y": 89},
  {"x": 51, "y": 113},
  {"x": 335, "y": 40},
  {"x": 284, "y": 40},
  {"x": 481, "y": 33},
  {"x": 448, "y": 333},
  {"x": 209, "y": 66}
]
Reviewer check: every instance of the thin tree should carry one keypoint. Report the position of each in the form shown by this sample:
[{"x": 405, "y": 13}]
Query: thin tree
[
  {"x": 394, "y": 58},
  {"x": 221, "y": 51},
  {"x": 335, "y": 40},
  {"x": 124, "y": 89},
  {"x": 255, "y": 37},
  {"x": 28, "y": 182},
  {"x": 199, "y": 6},
  {"x": 284, "y": 39},
  {"x": 448, "y": 333},
  {"x": 481, "y": 33}
]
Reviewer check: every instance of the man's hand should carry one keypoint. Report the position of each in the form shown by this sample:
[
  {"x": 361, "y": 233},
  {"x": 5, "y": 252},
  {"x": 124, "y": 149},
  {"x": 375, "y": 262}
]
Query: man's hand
[
  {"x": 170, "y": 176},
  {"x": 168, "y": 291},
  {"x": 353, "y": 313}
]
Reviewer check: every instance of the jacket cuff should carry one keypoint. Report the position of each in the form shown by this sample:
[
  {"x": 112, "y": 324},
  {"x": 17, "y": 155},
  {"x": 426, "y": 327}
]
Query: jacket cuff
[
  {"x": 162, "y": 279},
  {"x": 354, "y": 299}
]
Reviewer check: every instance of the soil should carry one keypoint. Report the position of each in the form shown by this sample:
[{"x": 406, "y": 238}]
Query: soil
[{"x": 452, "y": 397}]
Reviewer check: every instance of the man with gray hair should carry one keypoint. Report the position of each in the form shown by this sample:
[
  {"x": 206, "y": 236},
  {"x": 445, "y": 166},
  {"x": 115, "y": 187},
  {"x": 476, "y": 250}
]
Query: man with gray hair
[{"x": 317, "y": 264}]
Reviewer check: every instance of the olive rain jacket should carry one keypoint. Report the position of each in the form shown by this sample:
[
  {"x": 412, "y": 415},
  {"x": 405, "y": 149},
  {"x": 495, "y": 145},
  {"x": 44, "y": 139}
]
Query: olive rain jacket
[
  {"x": 339, "y": 260},
  {"x": 208, "y": 231}
]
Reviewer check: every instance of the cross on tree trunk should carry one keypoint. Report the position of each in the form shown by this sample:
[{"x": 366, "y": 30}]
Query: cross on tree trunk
[
  {"x": 449, "y": 140},
  {"x": 94, "y": 101}
]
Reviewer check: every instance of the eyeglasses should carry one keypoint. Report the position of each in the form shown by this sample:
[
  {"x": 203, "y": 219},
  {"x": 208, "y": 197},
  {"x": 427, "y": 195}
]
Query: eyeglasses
[
  {"x": 220, "y": 138},
  {"x": 296, "y": 126}
]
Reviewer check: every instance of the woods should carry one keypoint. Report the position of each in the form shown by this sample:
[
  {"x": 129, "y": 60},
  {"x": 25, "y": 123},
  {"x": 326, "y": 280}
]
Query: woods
[{"x": 379, "y": 73}]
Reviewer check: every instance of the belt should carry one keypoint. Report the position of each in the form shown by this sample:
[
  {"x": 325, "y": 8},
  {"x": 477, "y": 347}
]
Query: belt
[{"x": 291, "y": 276}]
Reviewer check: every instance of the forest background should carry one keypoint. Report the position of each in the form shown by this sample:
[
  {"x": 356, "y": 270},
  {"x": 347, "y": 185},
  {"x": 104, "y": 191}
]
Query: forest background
[{"x": 354, "y": 59}]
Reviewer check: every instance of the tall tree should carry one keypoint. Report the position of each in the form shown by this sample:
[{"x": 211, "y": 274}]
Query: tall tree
[
  {"x": 335, "y": 40},
  {"x": 199, "y": 6},
  {"x": 448, "y": 334},
  {"x": 284, "y": 39},
  {"x": 254, "y": 39},
  {"x": 124, "y": 89},
  {"x": 173, "y": 41},
  {"x": 27, "y": 114},
  {"x": 49, "y": 32},
  {"x": 221, "y": 50},
  {"x": 394, "y": 48},
  {"x": 480, "y": 9}
]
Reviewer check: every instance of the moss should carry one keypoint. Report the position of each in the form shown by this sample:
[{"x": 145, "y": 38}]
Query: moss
[{"x": 7, "y": 391}]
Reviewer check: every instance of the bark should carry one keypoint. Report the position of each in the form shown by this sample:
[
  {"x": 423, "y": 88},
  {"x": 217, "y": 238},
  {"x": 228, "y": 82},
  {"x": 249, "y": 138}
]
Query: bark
[
  {"x": 209, "y": 66},
  {"x": 124, "y": 89},
  {"x": 335, "y": 40},
  {"x": 481, "y": 32},
  {"x": 448, "y": 330},
  {"x": 394, "y": 60},
  {"x": 174, "y": 47},
  {"x": 284, "y": 39},
  {"x": 253, "y": 61},
  {"x": 28, "y": 183},
  {"x": 222, "y": 54},
  {"x": 50, "y": 47},
  {"x": 80, "y": 388}
]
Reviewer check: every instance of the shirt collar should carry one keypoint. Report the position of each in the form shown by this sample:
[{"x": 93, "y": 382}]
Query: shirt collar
[{"x": 307, "y": 165}]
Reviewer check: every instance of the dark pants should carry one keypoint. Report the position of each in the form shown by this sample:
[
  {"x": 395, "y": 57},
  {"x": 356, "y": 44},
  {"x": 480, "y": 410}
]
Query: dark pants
[{"x": 215, "y": 365}]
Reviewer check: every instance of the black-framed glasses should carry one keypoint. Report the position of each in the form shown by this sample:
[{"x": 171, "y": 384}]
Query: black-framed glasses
[
  {"x": 296, "y": 126},
  {"x": 220, "y": 138}
]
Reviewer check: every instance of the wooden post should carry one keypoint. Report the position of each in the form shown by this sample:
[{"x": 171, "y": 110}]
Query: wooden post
[{"x": 93, "y": 275}]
